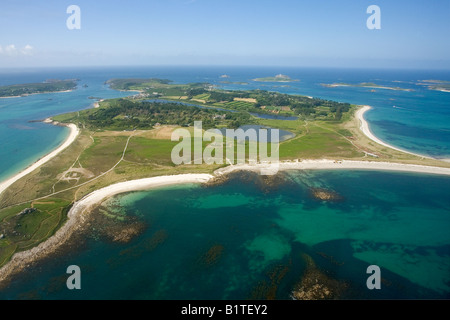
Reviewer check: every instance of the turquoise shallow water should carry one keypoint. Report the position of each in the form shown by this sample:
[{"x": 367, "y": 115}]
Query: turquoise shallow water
[
  {"x": 420, "y": 122},
  {"x": 24, "y": 142},
  {"x": 417, "y": 120},
  {"x": 247, "y": 238},
  {"x": 244, "y": 239}
]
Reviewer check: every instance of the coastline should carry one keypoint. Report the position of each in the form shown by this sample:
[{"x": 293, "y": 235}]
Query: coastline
[
  {"x": 364, "y": 127},
  {"x": 327, "y": 164},
  {"x": 337, "y": 85},
  {"x": 78, "y": 213},
  {"x": 32, "y": 94},
  {"x": 74, "y": 131},
  {"x": 97, "y": 103},
  {"x": 76, "y": 216}
]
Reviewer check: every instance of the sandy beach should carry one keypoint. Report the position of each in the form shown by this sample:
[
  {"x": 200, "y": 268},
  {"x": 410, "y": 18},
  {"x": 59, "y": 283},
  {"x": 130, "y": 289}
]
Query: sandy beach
[
  {"x": 81, "y": 208},
  {"x": 337, "y": 85},
  {"x": 32, "y": 94},
  {"x": 76, "y": 216},
  {"x": 97, "y": 103},
  {"x": 74, "y": 131},
  {"x": 98, "y": 196},
  {"x": 366, "y": 130},
  {"x": 327, "y": 164}
]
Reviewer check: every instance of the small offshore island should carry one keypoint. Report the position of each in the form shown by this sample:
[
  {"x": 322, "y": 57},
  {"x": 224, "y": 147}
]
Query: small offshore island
[
  {"x": 125, "y": 144},
  {"x": 365, "y": 85},
  {"x": 436, "y": 85},
  {"x": 48, "y": 86},
  {"x": 277, "y": 78}
]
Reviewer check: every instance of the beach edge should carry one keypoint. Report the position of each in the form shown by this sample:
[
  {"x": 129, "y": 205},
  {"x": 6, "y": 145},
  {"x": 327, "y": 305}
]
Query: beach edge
[
  {"x": 365, "y": 129},
  {"x": 76, "y": 215},
  {"x": 74, "y": 132}
]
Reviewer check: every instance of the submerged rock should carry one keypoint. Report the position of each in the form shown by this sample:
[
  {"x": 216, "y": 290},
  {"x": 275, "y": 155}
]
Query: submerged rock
[
  {"x": 325, "y": 195},
  {"x": 116, "y": 228},
  {"x": 265, "y": 184},
  {"x": 315, "y": 285},
  {"x": 267, "y": 289},
  {"x": 271, "y": 183},
  {"x": 212, "y": 256},
  {"x": 127, "y": 234}
]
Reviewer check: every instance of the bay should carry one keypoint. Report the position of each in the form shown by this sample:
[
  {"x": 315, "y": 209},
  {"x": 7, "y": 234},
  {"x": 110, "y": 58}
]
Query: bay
[{"x": 250, "y": 238}]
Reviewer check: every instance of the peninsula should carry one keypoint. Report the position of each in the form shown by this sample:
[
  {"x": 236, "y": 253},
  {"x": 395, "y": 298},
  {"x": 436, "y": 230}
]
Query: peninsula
[{"x": 114, "y": 147}]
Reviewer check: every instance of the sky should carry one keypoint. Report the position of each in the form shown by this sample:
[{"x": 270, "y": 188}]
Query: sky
[{"x": 315, "y": 33}]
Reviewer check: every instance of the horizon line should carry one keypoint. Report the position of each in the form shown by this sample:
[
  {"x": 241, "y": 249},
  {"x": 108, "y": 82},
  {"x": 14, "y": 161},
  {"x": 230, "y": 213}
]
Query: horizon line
[{"x": 225, "y": 66}]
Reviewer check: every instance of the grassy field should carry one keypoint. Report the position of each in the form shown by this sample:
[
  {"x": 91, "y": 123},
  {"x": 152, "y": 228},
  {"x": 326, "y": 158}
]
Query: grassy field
[
  {"x": 27, "y": 230},
  {"x": 316, "y": 143},
  {"x": 100, "y": 158},
  {"x": 239, "y": 105},
  {"x": 204, "y": 96}
]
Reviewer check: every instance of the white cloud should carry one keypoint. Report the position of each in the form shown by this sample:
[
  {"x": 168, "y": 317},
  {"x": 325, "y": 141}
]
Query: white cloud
[
  {"x": 27, "y": 50},
  {"x": 12, "y": 51}
]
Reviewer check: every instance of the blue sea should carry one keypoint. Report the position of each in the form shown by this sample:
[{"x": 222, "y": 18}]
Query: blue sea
[
  {"x": 420, "y": 121},
  {"x": 248, "y": 238}
]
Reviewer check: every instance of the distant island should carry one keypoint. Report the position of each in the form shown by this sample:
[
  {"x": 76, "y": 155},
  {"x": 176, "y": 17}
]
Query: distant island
[
  {"x": 130, "y": 139},
  {"x": 136, "y": 84},
  {"x": 364, "y": 85},
  {"x": 277, "y": 78},
  {"x": 48, "y": 86},
  {"x": 234, "y": 82},
  {"x": 437, "y": 85},
  {"x": 242, "y": 101}
]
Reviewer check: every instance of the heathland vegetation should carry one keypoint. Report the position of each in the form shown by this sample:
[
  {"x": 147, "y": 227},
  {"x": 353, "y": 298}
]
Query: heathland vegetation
[
  {"x": 126, "y": 139},
  {"x": 125, "y": 114},
  {"x": 255, "y": 101}
]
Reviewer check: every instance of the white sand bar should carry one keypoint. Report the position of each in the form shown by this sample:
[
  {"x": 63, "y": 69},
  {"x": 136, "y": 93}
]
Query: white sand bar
[
  {"x": 366, "y": 130},
  {"x": 77, "y": 214},
  {"x": 21, "y": 260},
  {"x": 337, "y": 164},
  {"x": 98, "y": 196},
  {"x": 74, "y": 131}
]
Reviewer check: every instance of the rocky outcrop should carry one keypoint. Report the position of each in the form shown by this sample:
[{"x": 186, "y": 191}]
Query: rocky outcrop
[
  {"x": 127, "y": 234},
  {"x": 325, "y": 195},
  {"x": 315, "y": 285},
  {"x": 26, "y": 211}
]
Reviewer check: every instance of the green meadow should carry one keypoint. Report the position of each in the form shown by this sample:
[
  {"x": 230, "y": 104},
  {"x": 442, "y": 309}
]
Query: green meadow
[{"x": 103, "y": 155}]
